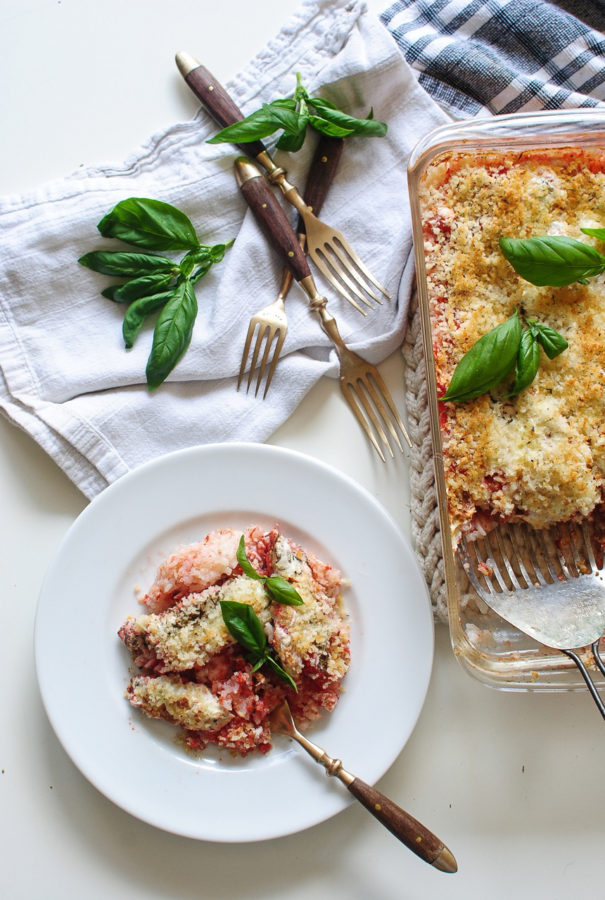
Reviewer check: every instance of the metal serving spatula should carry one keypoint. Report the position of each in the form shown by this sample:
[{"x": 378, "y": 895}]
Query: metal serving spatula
[{"x": 548, "y": 584}]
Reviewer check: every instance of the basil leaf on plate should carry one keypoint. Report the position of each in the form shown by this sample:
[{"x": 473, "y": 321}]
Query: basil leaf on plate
[
  {"x": 555, "y": 260},
  {"x": 244, "y": 625},
  {"x": 280, "y": 672},
  {"x": 282, "y": 591},
  {"x": 276, "y": 587},
  {"x": 128, "y": 265},
  {"x": 151, "y": 224},
  {"x": 246, "y": 566},
  {"x": 488, "y": 361},
  {"x": 137, "y": 312},
  {"x": 172, "y": 333}
]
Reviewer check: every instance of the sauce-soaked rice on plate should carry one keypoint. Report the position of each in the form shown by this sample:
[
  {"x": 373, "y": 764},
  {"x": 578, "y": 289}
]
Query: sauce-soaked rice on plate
[{"x": 192, "y": 672}]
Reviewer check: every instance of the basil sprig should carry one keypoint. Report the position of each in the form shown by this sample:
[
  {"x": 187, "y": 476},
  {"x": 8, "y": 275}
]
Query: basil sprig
[
  {"x": 554, "y": 260},
  {"x": 154, "y": 282},
  {"x": 513, "y": 344},
  {"x": 276, "y": 587},
  {"x": 246, "y": 628},
  {"x": 292, "y": 116}
]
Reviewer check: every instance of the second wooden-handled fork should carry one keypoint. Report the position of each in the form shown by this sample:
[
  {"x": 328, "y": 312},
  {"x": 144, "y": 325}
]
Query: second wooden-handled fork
[
  {"x": 328, "y": 248},
  {"x": 361, "y": 383},
  {"x": 270, "y": 323}
]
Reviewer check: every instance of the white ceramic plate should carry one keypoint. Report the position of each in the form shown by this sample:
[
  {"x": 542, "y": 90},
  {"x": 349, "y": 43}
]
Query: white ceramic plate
[{"x": 113, "y": 548}]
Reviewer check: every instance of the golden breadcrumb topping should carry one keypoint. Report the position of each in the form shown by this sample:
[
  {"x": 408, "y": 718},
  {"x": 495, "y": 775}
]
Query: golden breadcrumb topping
[
  {"x": 314, "y": 632},
  {"x": 540, "y": 456},
  {"x": 193, "y": 631},
  {"x": 187, "y": 704}
]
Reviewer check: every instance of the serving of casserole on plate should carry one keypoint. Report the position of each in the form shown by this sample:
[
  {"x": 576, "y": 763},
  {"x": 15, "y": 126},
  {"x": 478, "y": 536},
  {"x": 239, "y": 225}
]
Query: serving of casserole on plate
[{"x": 523, "y": 440}]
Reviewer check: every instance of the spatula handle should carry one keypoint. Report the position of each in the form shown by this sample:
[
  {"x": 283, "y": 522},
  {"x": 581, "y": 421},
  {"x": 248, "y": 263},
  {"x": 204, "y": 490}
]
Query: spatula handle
[
  {"x": 271, "y": 218},
  {"x": 216, "y": 100}
]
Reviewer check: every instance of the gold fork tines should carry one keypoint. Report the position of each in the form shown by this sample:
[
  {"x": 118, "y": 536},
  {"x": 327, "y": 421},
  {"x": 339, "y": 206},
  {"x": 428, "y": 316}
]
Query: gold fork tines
[
  {"x": 329, "y": 250},
  {"x": 270, "y": 325},
  {"x": 362, "y": 386}
]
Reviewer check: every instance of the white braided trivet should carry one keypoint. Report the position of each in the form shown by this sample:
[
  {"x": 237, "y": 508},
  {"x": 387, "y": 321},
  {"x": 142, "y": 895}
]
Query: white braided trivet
[{"x": 426, "y": 532}]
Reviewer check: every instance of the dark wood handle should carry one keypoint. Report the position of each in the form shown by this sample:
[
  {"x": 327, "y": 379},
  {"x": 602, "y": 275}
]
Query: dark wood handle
[
  {"x": 272, "y": 220},
  {"x": 400, "y": 823},
  {"x": 219, "y": 104},
  {"x": 322, "y": 171}
]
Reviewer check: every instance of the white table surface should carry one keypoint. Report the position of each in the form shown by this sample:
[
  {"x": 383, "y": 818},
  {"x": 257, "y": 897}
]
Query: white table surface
[{"x": 512, "y": 782}]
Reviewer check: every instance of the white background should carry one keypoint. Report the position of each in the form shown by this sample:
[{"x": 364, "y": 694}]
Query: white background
[{"x": 512, "y": 782}]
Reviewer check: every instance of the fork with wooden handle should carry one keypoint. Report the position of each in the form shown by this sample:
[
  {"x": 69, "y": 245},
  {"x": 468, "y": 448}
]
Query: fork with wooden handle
[
  {"x": 327, "y": 247},
  {"x": 270, "y": 323},
  {"x": 404, "y": 826},
  {"x": 361, "y": 383}
]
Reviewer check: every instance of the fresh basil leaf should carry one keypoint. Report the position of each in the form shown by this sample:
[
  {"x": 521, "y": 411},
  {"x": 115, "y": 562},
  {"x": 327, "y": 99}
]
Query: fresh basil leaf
[
  {"x": 555, "y": 260},
  {"x": 137, "y": 312},
  {"x": 217, "y": 252},
  {"x": 329, "y": 128},
  {"x": 293, "y": 139},
  {"x": 281, "y": 591},
  {"x": 111, "y": 292},
  {"x": 281, "y": 672},
  {"x": 594, "y": 232},
  {"x": 128, "y": 265},
  {"x": 255, "y": 127},
  {"x": 366, "y": 127},
  {"x": 284, "y": 103},
  {"x": 288, "y": 119},
  {"x": 259, "y": 663},
  {"x": 137, "y": 287},
  {"x": 528, "y": 362},
  {"x": 488, "y": 361},
  {"x": 246, "y": 566},
  {"x": 552, "y": 342},
  {"x": 151, "y": 224},
  {"x": 244, "y": 625},
  {"x": 172, "y": 333}
]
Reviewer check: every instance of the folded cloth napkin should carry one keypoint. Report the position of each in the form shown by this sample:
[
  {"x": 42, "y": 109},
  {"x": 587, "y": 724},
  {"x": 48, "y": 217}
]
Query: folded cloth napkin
[
  {"x": 65, "y": 375},
  {"x": 476, "y": 58}
]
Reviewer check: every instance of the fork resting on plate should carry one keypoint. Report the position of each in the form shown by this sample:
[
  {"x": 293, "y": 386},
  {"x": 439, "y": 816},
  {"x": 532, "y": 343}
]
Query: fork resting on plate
[{"x": 360, "y": 381}]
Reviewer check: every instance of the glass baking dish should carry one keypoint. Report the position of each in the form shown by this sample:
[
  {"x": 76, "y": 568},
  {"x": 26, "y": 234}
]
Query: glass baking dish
[{"x": 487, "y": 646}]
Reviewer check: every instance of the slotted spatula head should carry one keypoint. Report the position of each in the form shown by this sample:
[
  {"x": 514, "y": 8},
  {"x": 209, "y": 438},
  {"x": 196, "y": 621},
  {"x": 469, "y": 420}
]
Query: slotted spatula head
[{"x": 548, "y": 584}]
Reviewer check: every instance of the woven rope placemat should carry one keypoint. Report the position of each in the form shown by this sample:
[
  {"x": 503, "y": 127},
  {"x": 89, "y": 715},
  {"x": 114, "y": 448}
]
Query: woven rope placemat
[{"x": 426, "y": 531}]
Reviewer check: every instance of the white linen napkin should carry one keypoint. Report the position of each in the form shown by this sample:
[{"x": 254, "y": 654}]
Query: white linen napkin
[{"x": 65, "y": 376}]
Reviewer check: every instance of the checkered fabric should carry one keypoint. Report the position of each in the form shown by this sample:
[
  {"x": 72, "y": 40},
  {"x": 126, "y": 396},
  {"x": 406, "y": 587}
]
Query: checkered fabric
[{"x": 503, "y": 56}]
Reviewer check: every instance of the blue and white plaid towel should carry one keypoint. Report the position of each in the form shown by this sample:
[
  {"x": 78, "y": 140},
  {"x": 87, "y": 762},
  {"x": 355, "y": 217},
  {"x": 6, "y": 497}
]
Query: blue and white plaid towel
[{"x": 503, "y": 56}]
